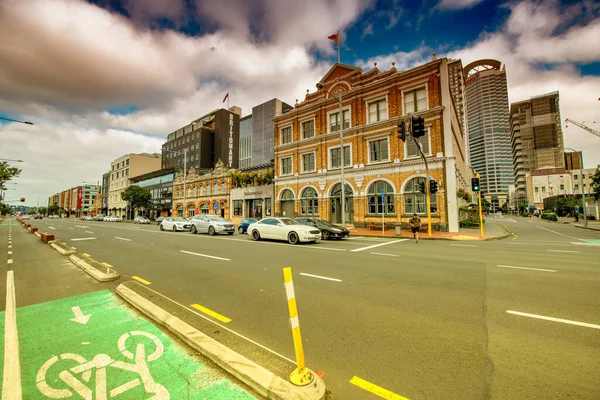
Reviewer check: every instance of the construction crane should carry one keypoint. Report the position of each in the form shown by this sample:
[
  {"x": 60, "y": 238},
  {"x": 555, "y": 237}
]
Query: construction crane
[{"x": 582, "y": 126}]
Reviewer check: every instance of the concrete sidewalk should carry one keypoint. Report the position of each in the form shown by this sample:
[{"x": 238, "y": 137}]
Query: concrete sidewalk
[{"x": 492, "y": 231}]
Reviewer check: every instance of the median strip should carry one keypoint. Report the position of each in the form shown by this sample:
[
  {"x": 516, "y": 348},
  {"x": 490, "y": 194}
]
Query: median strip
[
  {"x": 213, "y": 314},
  {"x": 205, "y": 255},
  {"x": 107, "y": 265},
  {"x": 145, "y": 282},
  {"x": 376, "y": 390}
]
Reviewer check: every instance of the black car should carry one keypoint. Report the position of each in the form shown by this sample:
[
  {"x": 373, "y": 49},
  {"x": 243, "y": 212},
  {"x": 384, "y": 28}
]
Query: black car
[{"x": 328, "y": 230}]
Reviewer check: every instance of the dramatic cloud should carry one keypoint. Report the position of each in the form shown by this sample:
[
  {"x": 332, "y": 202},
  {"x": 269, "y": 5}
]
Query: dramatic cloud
[{"x": 457, "y": 4}]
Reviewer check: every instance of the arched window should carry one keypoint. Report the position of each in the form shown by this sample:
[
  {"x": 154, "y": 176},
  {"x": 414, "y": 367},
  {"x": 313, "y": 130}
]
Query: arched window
[
  {"x": 223, "y": 187},
  {"x": 204, "y": 208},
  {"x": 201, "y": 190},
  {"x": 208, "y": 189},
  {"x": 377, "y": 204},
  {"x": 287, "y": 195},
  {"x": 310, "y": 201},
  {"x": 194, "y": 192},
  {"x": 414, "y": 200},
  {"x": 216, "y": 188},
  {"x": 190, "y": 211}
]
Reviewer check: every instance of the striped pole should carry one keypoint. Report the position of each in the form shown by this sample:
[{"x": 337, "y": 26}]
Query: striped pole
[{"x": 301, "y": 376}]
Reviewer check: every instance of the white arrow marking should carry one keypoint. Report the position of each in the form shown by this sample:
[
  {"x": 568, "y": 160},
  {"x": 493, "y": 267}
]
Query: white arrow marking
[{"x": 79, "y": 317}]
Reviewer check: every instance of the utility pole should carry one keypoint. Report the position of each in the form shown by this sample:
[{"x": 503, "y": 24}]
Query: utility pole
[{"x": 427, "y": 189}]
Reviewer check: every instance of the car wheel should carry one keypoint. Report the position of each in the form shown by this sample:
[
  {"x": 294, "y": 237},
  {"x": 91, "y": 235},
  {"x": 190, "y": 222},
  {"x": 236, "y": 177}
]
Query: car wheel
[
  {"x": 255, "y": 235},
  {"x": 293, "y": 238},
  {"x": 174, "y": 228},
  {"x": 161, "y": 227},
  {"x": 194, "y": 230},
  {"x": 325, "y": 235},
  {"x": 211, "y": 230},
  {"x": 230, "y": 233},
  {"x": 240, "y": 230}
]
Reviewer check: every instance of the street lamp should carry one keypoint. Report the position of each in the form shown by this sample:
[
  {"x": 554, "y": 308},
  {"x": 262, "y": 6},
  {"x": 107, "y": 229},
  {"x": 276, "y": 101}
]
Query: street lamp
[
  {"x": 580, "y": 155},
  {"x": 342, "y": 152},
  {"x": 14, "y": 120},
  {"x": 184, "y": 174}
]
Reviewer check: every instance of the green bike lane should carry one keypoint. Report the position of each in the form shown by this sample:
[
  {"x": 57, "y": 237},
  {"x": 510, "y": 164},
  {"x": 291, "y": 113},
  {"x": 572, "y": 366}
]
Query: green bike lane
[{"x": 93, "y": 346}]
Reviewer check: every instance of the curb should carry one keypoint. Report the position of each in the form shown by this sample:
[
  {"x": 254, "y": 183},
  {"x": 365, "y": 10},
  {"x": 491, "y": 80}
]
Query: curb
[
  {"x": 62, "y": 249},
  {"x": 256, "y": 377},
  {"x": 90, "y": 266},
  {"x": 585, "y": 227}
]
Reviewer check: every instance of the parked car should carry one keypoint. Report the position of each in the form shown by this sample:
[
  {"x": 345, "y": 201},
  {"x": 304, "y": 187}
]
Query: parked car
[
  {"x": 112, "y": 218},
  {"x": 175, "y": 224},
  {"x": 53, "y": 216},
  {"x": 87, "y": 218},
  {"x": 25, "y": 216},
  {"x": 141, "y": 220},
  {"x": 211, "y": 224},
  {"x": 283, "y": 229},
  {"x": 243, "y": 225},
  {"x": 38, "y": 216},
  {"x": 159, "y": 220},
  {"x": 328, "y": 230},
  {"x": 98, "y": 217}
]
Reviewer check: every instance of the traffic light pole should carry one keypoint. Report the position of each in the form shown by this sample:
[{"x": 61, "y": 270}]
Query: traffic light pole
[
  {"x": 480, "y": 213},
  {"x": 427, "y": 194}
]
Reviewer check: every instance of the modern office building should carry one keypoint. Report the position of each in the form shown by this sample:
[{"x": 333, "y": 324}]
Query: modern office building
[
  {"x": 160, "y": 185},
  {"x": 245, "y": 142},
  {"x": 122, "y": 170},
  {"x": 573, "y": 160},
  {"x": 487, "y": 123},
  {"x": 536, "y": 137},
  {"x": 205, "y": 141},
  {"x": 263, "y": 131}
]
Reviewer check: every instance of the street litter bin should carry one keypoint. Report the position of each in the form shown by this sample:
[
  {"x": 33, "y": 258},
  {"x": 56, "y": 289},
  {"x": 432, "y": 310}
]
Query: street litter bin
[{"x": 398, "y": 229}]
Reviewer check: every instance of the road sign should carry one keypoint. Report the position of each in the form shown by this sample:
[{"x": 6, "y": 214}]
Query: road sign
[{"x": 116, "y": 354}]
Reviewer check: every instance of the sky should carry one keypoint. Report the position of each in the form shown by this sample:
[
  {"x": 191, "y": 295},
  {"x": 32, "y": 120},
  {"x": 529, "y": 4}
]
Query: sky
[{"x": 103, "y": 78}]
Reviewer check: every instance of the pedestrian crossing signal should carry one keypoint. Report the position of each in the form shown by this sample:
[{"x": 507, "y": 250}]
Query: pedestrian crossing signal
[
  {"x": 402, "y": 131},
  {"x": 475, "y": 184}
]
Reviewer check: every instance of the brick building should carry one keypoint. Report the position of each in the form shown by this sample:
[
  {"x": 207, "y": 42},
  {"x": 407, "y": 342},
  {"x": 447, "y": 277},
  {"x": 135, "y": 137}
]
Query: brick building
[{"x": 308, "y": 156}]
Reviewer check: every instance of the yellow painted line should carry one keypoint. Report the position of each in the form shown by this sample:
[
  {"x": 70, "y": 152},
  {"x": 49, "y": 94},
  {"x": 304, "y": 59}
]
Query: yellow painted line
[
  {"x": 85, "y": 254},
  {"x": 74, "y": 248},
  {"x": 145, "y": 282},
  {"x": 213, "y": 314},
  {"x": 376, "y": 390},
  {"x": 106, "y": 264}
]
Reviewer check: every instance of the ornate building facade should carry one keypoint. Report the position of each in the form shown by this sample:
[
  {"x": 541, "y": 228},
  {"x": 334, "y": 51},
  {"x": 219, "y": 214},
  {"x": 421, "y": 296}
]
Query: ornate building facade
[
  {"x": 205, "y": 194},
  {"x": 308, "y": 156}
]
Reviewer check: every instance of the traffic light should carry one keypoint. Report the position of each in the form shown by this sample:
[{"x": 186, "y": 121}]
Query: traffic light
[
  {"x": 402, "y": 131},
  {"x": 475, "y": 184},
  {"x": 418, "y": 126},
  {"x": 22, "y": 199},
  {"x": 433, "y": 187},
  {"x": 421, "y": 187}
]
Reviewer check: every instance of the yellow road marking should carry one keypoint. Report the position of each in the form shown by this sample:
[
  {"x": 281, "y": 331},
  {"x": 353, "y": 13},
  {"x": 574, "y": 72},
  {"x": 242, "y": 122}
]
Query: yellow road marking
[
  {"x": 85, "y": 254},
  {"x": 376, "y": 390},
  {"x": 145, "y": 282},
  {"x": 213, "y": 314},
  {"x": 106, "y": 264},
  {"x": 74, "y": 248}
]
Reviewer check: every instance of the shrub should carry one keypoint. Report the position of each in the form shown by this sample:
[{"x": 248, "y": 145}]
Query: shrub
[{"x": 550, "y": 216}]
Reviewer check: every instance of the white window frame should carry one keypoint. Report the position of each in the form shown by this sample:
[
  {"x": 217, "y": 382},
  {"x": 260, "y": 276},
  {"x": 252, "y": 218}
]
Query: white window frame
[
  {"x": 329, "y": 166},
  {"x": 313, "y": 119},
  {"x": 291, "y": 157},
  {"x": 336, "y": 111},
  {"x": 281, "y": 134},
  {"x": 302, "y": 170},
  {"x": 412, "y": 88},
  {"x": 427, "y": 154},
  {"x": 376, "y": 100},
  {"x": 374, "y": 139}
]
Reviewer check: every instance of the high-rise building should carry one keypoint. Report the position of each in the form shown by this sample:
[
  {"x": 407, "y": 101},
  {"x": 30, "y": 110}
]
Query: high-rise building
[
  {"x": 262, "y": 131},
  {"x": 573, "y": 160},
  {"x": 487, "y": 123},
  {"x": 245, "y": 142},
  {"x": 457, "y": 89},
  {"x": 536, "y": 136}
]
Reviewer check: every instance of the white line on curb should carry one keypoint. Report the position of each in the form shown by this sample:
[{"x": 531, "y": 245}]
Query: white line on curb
[
  {"x": 125, "y": 239},
  {"x": 378, "y": 245},
  {"x": 531, "y": 269},
  {"x": 385, "y": 254},
  {"x": 11, "y": 384},
  {"x": 80, "y": 239},
  {"x": 321, "y": 277},
  {"x": 205, "y": 255},
  {"x": 564, "y": 321}
]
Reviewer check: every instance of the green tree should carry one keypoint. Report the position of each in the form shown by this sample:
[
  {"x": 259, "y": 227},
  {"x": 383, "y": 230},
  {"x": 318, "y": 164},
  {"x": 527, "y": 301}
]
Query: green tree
[
  {"x": 596, "y": 184},
  {"x": 7, "y": 173},
  {"x": 43, "y": 210},
  {"x": 53, "y": 209},
  {"x": 137, "y": 197},
  {"x": 485, "y": 205},
  {"x": 4, "y": 209}
]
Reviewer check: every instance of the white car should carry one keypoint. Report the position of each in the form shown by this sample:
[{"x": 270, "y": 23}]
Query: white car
[
  {"x": 141, "y": 220},
  {"x": 26, "y": 216},
  {"x": 283, "y": 229},
  {"x": 175, "y": 224},
  {"x": 211, "y": 224},
  {"x": 112, "y": 219}
]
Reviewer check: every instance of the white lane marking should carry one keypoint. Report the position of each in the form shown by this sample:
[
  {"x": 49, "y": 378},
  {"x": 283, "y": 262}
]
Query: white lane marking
[
  {"x": 564, "y": 321},
  {"x": 561, "y": 234},
  {"x": 321, "y": 277},
  {"x": 9, "y": 252},
  {"x": 205, "y": 255},
  {"x": 463, "y": 245},
  {"x": 51, "y": 227},
  {"x": 125, "y": 239},
  {"x": 378, "y": 245},
  {"x": 531, "y": 269},
  {"x": 10, "y": 246},
  {"x": 586, "y": 244},
  {"x": 563, "y": 251},
  {"x": 71, "y": 228},
  {"x": 223, "y": 326},
  {"x": 11, "y": 383},
  {"x": 327, "y": 248},
  {"x": 385, "y": 254},
  {"x": 9, "y": 261},
  {"x": 89, "y": 232},
  {"x": 80, "y": 239}
]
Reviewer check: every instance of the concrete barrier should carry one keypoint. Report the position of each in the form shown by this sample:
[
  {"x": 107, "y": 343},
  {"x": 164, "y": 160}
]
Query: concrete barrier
[
  {"x": 47, "y": 237},
  {"x": 94, "y": 268},
  {"x": 62, "y": 248}
]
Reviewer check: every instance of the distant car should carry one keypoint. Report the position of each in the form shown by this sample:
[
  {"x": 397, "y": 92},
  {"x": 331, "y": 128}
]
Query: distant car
[
  {"x": 25, "y": 216},
  {"x": 141, "y": 220},
  {"x": 112, "y": 218},
  {"x": 87, "y": 218},
  {"x": 243, "y": 225},
  {"x": 328, "y": 230},
  {"x": 211, "y": 224},
  {"x": 38, "y": 216},
  {"x": 283, "y": 229},
  {"x": 159, "y": 220},
  {"x": 99, "y": 217},
  {"x": 175, "y": 224},
  {"x": 53, "y": 216}
]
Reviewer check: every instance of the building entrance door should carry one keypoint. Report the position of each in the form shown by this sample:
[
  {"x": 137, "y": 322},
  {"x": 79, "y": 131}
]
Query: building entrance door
[{"x": 336, "y": 204}]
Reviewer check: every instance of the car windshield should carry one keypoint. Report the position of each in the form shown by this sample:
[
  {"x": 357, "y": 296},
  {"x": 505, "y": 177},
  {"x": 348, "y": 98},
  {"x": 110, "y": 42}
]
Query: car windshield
[
  {"x": 179, "y": 219},
  {"x": 287, "y": 221},
  {"x": 324, "y": 223},
  {"x": 216, "y": 218}
]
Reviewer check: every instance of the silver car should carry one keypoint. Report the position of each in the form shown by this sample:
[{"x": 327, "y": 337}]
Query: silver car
[{"x": 211, "y": 224}]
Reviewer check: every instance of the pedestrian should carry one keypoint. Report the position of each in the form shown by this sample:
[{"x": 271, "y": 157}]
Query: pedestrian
[{"x": 415, "y": 225}]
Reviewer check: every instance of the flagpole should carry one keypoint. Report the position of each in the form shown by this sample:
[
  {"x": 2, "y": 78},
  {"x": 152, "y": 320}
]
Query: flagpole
[{"x": 338, "y": 43}]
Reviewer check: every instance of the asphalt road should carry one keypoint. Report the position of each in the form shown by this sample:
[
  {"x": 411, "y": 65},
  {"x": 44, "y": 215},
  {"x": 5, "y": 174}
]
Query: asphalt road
[{"x": 428, "y": 320}]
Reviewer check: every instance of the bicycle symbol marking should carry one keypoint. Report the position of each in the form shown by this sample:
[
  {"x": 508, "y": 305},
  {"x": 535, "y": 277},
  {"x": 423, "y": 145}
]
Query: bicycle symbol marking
[{"x": 100, "y": 363}]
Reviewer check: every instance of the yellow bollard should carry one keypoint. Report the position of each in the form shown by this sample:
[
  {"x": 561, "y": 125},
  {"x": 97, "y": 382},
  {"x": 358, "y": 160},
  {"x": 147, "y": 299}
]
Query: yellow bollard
[{"x": 301, "y": 376}]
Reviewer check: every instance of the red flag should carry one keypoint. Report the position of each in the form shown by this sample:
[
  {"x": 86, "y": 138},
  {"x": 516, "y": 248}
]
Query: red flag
[
  {"x": 226, "y": 97},
  {"x": 334, "y": 37}
]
